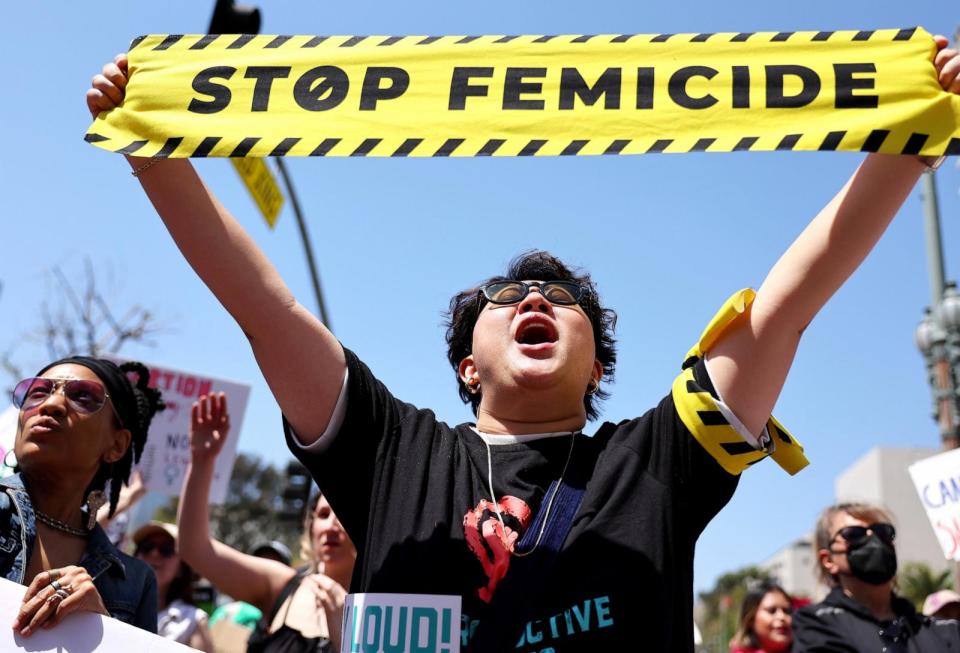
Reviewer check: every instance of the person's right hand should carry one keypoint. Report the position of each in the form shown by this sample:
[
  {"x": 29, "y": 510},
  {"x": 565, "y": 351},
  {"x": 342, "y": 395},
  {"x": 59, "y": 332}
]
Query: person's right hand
[
  {"x": 107, "y": 89},
  {"x": 209, "y": 425}
]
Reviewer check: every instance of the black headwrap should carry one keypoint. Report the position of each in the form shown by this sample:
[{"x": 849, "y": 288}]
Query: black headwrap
[{"x": 135, "y": 402}]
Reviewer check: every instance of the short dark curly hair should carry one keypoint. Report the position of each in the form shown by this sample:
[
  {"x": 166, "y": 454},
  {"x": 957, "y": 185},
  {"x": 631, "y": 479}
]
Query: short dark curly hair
[{"x": 461, "y": 318}]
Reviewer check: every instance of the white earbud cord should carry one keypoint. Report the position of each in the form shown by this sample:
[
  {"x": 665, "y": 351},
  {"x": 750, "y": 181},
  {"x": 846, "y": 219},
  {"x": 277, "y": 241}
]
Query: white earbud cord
[{"x": 546, "y": 516}]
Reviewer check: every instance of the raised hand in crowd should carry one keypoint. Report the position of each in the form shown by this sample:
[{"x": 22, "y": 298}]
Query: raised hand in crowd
[{"x": 209, "y": 426}]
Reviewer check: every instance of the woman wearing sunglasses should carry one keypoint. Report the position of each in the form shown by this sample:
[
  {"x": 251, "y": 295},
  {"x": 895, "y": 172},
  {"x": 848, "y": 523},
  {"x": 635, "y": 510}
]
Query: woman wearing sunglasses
[
  {"x": 861, "y": 614},
  {"x": 550, "y": 539},
  {"x": 82, "y": 425},
  {"x": 178, "y": 617}
]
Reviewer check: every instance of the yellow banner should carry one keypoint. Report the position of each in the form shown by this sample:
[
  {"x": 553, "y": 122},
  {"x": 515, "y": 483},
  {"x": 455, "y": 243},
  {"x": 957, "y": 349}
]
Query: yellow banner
[{"x": 246, "y": 95}]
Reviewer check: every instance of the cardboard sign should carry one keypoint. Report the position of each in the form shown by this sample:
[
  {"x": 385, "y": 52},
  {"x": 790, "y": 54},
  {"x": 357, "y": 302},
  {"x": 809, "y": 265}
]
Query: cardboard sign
[
  {"x": 80, "y": 632},
  {"x": 407, "y": 623},
  {"x": 167, "y": 453},
  {"x": 938, "y": 483}
]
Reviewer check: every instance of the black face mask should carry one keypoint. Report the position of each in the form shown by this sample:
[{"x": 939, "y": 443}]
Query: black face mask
[{"x": 873, "y": 561}]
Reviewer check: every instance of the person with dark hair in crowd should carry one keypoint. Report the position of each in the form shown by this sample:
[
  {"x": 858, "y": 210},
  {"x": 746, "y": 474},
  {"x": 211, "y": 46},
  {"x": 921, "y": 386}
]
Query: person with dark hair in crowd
[
  {"x": 82, "y": 425},
  {"x": 766, "y": 616},
  {"x": 178, "y": 617},
  {"x": 551, "y": 539},
  {"x": 856, "y": 558},
  {"x": 302, "y": 608}
]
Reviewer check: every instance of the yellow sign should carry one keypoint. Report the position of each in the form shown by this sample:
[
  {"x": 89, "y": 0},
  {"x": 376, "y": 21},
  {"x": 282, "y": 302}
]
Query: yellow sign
[
  {"x": 230, "y": 95},
  {"x": 262, "y": 186}
]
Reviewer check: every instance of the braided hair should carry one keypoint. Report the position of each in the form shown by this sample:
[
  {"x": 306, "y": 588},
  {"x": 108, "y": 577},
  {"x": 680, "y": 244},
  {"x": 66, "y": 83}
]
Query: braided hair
[{"x": 149, "y": 402}]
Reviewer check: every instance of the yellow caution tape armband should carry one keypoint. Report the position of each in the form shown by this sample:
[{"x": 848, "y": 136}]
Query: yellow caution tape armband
[{"x": 699, "y": 412}]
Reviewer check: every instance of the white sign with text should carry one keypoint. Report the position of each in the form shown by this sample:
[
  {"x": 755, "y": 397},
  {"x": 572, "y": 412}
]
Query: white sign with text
[
  {"x": 80, "y": 632},
  {"x": 167, "y": 454},
  {"x": 411, "y": 623},
  {"x": 938, "y": 483}
]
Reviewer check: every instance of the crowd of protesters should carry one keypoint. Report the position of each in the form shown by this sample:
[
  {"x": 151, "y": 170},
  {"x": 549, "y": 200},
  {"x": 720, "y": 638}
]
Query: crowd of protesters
[{"x": 502, "y": 513}]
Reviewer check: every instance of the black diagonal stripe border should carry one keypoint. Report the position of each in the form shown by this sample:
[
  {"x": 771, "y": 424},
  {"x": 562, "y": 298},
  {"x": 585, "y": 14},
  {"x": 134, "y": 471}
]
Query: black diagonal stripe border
[
  {"x": 241, "y": 41},
  {"x": 702, "y": 144},
  {"x": 284, "y": 146},
  {"x": 206, "y": 146},
  {"x": 532, "y": 147},
  {"x": 324, "y": 147},
  {"x": 428, "y": 40},
  {"x": 875, "y": 140},
  {"x": 449, "y": 146},
  {"x": 712, "y": 418},
  {"x": 574, "y": 147},
  {"x": 132, "y": 147},
  {"x": 491, "y": 146},
  {"x": 169, "y": 147},
  {"x": 390, "y": 40},
  {"x": 204, "y": 41},
  {"x": 352, "y": 41},
  {"x": 915, "y": 143},
  {"x": 659, "y": 145},
  {"x": 738, "y": 448},
  {"x": 742, "y": 37},
  {"x": 789, "y": 142},
  {"x": 905, "y": 34},
  {"x": 168, "y": 42},
  {"x": 366, "y": 147},
  {"x": 407, "y": 147},
  {"x": 832, "y": 141},
  {"x": 745, "y": 143},
  {"x": 701, "y": 38},
  {"x": 315, "y": 41},
  {"x": 277, "y": 42},
  {"x": 243, "y": 147},
  {"x": 863, "y": 35},
  {"x": 95, "y": 138},
  {"x": 822, "y": 36}
]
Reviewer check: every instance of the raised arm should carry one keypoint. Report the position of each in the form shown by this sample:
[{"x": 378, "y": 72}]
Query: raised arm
[
  {"x": 749, "y": 364},
  {"x": 301, "y": 360},
  {"x": 257, "y": 581}
]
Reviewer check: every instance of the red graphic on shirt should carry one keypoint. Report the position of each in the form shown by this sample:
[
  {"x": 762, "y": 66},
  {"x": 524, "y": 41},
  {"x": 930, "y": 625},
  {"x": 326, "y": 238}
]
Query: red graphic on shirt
[{"x": 490, "y": 542}]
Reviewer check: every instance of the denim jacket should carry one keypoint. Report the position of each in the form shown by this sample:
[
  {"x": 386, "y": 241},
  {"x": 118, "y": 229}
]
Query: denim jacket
[{"x": 127, "y": 586}]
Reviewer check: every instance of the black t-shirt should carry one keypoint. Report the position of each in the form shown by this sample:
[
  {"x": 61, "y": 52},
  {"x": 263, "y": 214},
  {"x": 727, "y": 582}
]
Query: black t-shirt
[{"x": 413, "y": 494}]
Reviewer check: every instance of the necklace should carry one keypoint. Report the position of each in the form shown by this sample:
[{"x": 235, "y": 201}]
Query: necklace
[
  {"x": 59, "y": 525},
  {"x": 546, "y": 514}
]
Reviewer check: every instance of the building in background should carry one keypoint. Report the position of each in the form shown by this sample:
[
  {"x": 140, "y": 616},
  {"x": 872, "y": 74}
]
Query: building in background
[{"x": 793, "y": 567}]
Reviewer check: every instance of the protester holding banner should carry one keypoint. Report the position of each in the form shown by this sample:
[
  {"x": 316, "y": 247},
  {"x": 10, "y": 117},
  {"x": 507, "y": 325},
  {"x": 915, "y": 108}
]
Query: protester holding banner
[
  {"x": 858, "y": 561},
  {"x": 550, "y": 539},
  {"x": 82, "y": 425},
  {"x": 302, "y": 607},
  {"x": 178, "y": 617},
  {"x": 766, "y": 617}
]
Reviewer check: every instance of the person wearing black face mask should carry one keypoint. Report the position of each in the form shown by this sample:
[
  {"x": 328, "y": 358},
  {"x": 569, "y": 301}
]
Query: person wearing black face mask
[{"x": 862, "y": 614}]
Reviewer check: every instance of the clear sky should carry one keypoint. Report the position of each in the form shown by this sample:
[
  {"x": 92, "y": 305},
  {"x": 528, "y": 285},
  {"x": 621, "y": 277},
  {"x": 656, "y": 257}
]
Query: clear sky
[{"x": 668, "y": 238}]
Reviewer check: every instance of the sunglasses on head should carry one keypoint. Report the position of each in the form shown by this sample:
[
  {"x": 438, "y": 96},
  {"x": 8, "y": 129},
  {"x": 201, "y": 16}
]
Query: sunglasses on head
[
  {"x": 560, "y": 293},
  {"x": 165, "y": 549},
  {"x": 856, "y": 535},
  {"x": 86, "y": 397}
]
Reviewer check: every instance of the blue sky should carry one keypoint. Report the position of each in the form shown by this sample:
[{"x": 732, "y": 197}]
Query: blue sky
[{"x": 668, "y": 238}]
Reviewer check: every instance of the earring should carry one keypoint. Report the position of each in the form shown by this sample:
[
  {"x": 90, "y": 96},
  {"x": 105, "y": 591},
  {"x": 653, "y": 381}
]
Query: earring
[
  {"x": 473, "y": 385},
  {"x": 95, "y": 500},
  {"x": 593, "y": 387}
]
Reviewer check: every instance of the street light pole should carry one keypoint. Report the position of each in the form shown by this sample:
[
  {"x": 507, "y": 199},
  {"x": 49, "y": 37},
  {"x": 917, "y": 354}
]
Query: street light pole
[{"x": 938, "y": 334}]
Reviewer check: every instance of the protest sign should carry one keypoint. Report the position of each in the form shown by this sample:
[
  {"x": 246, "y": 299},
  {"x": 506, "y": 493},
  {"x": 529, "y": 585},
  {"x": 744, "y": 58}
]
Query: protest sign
[
  {"x": 938, "y": 483},
  {"x": 80, "y": 632},
  {"x": 167, "y": 452},
  {"x": 256, "y": 96},
  {"x": 404, "y": 623}
]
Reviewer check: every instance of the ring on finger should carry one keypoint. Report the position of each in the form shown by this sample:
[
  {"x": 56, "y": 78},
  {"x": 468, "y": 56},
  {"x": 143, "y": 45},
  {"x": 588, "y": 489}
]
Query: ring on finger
[{"x": 55, "y": 585}]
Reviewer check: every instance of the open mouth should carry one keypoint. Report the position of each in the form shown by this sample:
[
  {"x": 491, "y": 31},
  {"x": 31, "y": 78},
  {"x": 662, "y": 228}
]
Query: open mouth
[{"x": 536, "y": 331}]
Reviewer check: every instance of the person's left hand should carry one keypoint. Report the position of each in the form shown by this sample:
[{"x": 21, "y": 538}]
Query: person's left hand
[
  {"x": 330, "y": 597},
  {"x": 947, "y": 63},
  {"x": 44, "y": 606}
]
